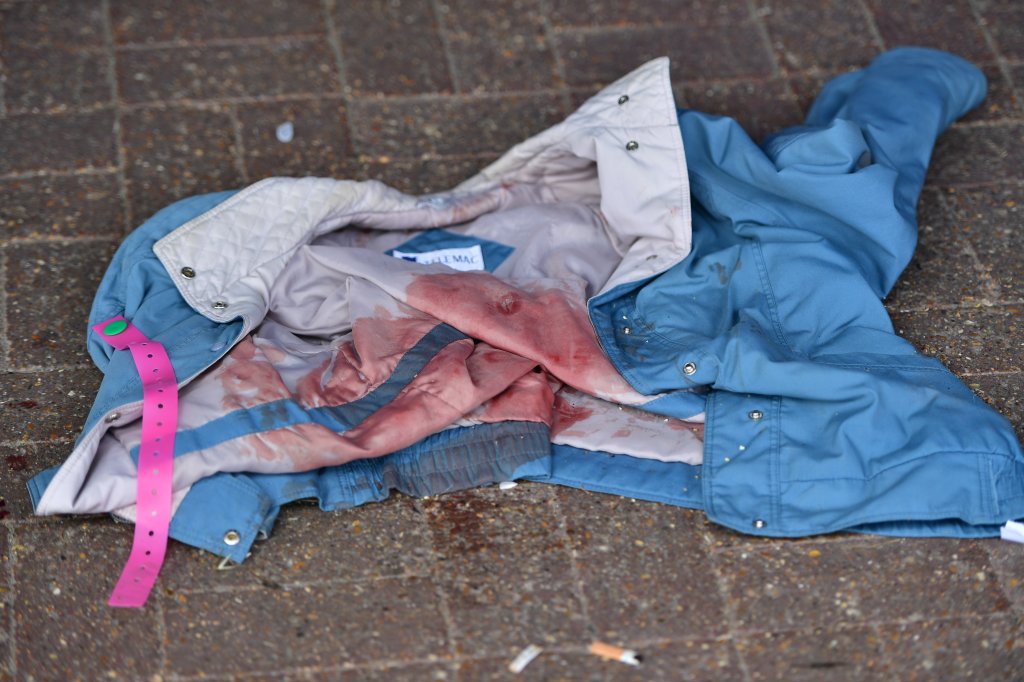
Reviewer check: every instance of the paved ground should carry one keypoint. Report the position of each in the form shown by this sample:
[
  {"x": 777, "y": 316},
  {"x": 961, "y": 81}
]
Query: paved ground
[{"x": 110, "y": 110}]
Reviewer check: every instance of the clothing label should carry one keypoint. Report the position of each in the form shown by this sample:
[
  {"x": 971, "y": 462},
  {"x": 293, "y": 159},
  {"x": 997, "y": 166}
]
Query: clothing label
[
  {"x": 465, "y": 259},
  {"x": 1012, "y": 531}
]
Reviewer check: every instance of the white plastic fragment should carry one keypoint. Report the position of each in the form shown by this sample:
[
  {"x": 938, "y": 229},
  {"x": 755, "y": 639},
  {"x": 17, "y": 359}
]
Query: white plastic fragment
[
  {"x": 524, "y": 658},
  {"x": 507, "y": 485},
  {"x": 1012, "y": 531},
  {"x": 285, "y": 132},
  {"x": 615, "y": 653}
]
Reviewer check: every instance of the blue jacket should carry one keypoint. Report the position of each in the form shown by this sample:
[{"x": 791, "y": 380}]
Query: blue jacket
[{"x": 819, "y": 417}]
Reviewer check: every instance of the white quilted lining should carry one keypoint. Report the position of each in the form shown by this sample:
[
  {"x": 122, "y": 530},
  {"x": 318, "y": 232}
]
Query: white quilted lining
[{"x": 238, "y": 248}]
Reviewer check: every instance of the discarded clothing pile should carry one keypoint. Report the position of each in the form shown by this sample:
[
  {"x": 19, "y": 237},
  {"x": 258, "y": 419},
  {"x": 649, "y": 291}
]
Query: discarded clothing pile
[{"x": 639, "y": 301}]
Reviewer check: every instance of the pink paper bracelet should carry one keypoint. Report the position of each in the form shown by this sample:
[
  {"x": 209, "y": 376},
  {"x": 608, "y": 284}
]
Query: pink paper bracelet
[{"x": 156, "y": 461}]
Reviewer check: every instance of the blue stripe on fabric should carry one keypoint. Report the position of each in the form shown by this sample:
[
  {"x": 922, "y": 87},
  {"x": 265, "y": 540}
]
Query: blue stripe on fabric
[
  {"x": 432, "y": 240},
  {"x": 282, "y": 413}
]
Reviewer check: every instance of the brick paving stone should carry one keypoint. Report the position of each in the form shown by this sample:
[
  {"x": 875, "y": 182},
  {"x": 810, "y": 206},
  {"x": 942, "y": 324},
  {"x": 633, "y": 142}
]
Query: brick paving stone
[
  {"x": 475, "y": 529},
  {"x": 822, "y": 653},
  {"x": 1009, "y": 567},
  {"x": 417, "y": 672},
  {"x": 677, "y": 661},
  {"x": 959, "y": 649},
  {"x": 635, "y": 12},
  {"x": 20, "y": 462},
  {"x": 502, "y": 49},
  {"x": 197, "y": 21},
  {"x": 173, "y": 153},
  {"x": 806, "y": 88},
  {"x": 47, "y": 323},
  {"x": 824, "y": 585},
  {"x": 1016, "y": 72},
  {"x": 52, "y": 23},
  {"x": 392, "y": 47},
  {"x": 1003, "y": 19},
  {"x": 1004, "y": 392},
  {"x": 464, "y": 126},
  {"x": 505, "y": 569},
  {"x": 940, "y": 273},
  {"x": 1000, "y": 102},
  {"x": 412, "y": 673},
  {"x": 697, "y": 52},
  {"x": 53, "y": 79},
  {"x": 288, "y": 67},
  {"x": 308, "y": 545},
  {"x": 948, "y": 25},
  {"x": 761, "y": 108},
  {"x": 550, "y": 665},
  {"x": 61, "y": 206},
  {"x": 644, "y": 568},
  {"x": 968, "y": 341},
  {"x": 825, "y": 35},
  {"x": 323, "y": 625},
  {"x": 57, "y": 142},
  {"x": 418, "y": 176},
  {"x": 6, "y": 604},
  {"x": 46, "y": 406},
  {"x": 64, "y": 573},
  {"x": 319, "y": 146},
  {"x": 992, "y": 218},
  {"x": 978, "y": 154}
]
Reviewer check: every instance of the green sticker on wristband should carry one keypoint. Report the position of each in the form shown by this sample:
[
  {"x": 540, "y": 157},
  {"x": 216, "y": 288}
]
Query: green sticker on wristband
[{"x": 115, "y": 328}]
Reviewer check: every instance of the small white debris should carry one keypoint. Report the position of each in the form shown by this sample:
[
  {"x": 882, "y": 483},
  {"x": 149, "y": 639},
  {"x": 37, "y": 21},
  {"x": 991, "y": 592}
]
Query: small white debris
[
  {"x": 285, "y": 132},
  {"x": 507, "y": 485},
  {"x": 524, "y": 658}
]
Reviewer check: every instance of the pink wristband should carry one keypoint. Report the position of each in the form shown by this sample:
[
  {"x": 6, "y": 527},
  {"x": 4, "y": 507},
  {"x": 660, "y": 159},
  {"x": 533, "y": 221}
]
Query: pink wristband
[{"x": 156, "y": 461}]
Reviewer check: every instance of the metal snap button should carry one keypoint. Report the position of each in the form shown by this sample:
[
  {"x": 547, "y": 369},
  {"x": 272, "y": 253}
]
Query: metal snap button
[
  {"x": 760, "y": 523},
  {"x": 623, "y": 99},
  {"x": 187, "y": 272},
  {"x": 232, "y": 538},
  {"x": 632, "y": 146},
  {"x": 219, "y": 305},
  {"x": 112, "y": 417},
  {"x": 689, "y": 368},
  {"x": 755, "y": 414}
]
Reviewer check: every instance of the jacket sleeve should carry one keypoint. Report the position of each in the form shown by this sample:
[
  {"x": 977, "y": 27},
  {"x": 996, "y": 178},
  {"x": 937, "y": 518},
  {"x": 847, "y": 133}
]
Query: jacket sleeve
[{"x": 880, "y": 122}]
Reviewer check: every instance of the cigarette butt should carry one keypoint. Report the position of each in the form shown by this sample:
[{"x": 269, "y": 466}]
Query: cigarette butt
[
  {"x": 524, "y": 658},
  {"x": 615, "y": 653}
]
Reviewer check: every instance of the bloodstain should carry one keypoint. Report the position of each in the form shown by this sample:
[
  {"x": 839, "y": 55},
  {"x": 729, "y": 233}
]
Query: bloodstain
[
  {"x": 510, "y": 304},
  {"x": 463, "y": 518},
  {"x": 457, "y": 379},
  {"x": 383, "y": 335},
  {"x": 360, "y": 365},
  {"x": 566, "y": 415},
  {"x": 248, "y": 378},
  {"x": 4, "y": 514},
  {"x": 622, "y": 433},
  {"x": 24, "y": 404},
  {"x": 549, "y": 325},
  {"x": 17, "y": 462}
]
